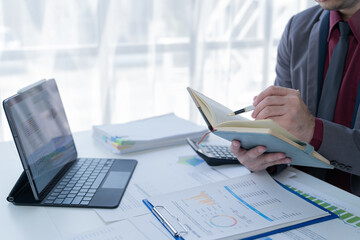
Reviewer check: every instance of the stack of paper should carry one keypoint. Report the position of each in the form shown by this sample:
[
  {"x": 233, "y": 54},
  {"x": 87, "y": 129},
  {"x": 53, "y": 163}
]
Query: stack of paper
[{"x": 159, "y": 131}]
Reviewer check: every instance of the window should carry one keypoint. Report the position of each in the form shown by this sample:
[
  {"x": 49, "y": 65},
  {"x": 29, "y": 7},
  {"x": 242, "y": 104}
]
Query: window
[{"x": 118, "y": 60}]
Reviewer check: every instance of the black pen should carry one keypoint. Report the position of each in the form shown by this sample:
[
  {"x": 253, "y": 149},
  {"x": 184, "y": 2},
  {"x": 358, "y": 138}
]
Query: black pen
[{"x": 245, "y": 109}]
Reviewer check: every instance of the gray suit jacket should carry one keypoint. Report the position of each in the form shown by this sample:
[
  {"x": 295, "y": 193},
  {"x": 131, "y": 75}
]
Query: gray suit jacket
[{"x": 298, "y": 68}]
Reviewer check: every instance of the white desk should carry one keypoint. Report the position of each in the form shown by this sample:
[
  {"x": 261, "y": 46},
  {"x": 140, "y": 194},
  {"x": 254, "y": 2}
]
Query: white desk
[{"x": 20, "y": 222}]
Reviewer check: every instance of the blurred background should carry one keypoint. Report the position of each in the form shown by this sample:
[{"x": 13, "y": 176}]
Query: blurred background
[{"x": 120, "y": 60}]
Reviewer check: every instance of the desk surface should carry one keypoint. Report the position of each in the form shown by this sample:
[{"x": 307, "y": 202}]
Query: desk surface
[{"x": 22, "y": 222}]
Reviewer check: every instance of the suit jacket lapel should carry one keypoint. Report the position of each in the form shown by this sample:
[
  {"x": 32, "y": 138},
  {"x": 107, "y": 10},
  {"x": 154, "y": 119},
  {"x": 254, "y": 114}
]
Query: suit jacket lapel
[{"x": 316, "y": 61}]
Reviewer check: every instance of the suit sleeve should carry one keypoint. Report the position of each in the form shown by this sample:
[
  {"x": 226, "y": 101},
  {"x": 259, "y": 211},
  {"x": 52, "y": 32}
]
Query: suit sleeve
[
  {"x": 283, "y": 78},
  {"x": 341, "y": 145}
]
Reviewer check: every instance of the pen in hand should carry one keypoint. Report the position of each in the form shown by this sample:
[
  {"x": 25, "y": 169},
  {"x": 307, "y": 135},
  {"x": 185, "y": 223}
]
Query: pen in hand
[{"x": 245, "y": 109}]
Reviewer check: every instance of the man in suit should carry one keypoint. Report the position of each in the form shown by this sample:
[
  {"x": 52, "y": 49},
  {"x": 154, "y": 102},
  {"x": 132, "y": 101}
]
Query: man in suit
[{"x": 304, "y": 55}]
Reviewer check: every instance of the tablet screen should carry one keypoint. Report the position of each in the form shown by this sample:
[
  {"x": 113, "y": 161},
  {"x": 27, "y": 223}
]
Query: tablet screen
[{"x": 43, "y": 135}]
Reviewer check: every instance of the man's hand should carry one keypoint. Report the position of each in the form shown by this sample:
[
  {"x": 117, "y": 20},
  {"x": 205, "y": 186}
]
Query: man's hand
[
  {"x": 255, "y": 159},
  {"x": 286, "y": 108}
]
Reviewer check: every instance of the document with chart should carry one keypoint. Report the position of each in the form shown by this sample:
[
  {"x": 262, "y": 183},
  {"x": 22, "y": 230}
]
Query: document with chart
[{"x": 249, "y": 206}]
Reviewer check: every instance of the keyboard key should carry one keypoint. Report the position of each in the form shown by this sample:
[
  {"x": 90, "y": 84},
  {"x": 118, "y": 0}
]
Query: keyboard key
[
  {"x": 89, "y": 194},
  {"x": 76, "y": 200},
  {"x": 59, "y": 201},
  {"x": 84, "y": 202},
  {"x": 67, "y": 200},
  {"x": 98, "y": 180}
]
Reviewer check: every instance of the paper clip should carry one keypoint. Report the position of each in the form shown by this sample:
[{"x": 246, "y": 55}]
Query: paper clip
[{"x": 167, "y": 224}]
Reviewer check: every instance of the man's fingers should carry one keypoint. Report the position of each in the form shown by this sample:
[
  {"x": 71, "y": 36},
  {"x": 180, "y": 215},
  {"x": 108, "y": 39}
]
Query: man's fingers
[
  {"x": 264, "y": 160},
  {"x": 273, "y": 91},
  {"x": 285, "y": 160},
  {"x": 256, "y": 159},
  {"x": 236, "y": 149},
  {"x": 267, "y": 102},
  {"x": 255, "y": 152},
  {"x": 270, "y": 91},
  {"x": 271, "y": 158},
  {"x": 251, "y": 158},
  {"x": 269, "y": 112}
]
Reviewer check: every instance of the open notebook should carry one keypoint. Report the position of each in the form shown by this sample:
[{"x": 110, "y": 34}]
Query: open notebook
[{"x": 253, "y": 133}]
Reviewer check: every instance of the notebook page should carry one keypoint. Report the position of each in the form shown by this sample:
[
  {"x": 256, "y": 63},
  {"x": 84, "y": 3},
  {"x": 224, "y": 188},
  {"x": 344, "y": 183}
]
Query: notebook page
[{"x": 218, "y": 111}]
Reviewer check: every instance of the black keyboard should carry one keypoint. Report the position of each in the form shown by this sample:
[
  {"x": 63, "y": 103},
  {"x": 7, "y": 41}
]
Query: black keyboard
[{"x": 80, "y": 183}]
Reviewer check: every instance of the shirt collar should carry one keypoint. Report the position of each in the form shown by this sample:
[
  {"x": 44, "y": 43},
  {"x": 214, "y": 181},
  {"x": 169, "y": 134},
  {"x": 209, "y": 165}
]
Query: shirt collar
[
  {"x": 334, "y": 19},
  {"x": 353, "y": 22}
]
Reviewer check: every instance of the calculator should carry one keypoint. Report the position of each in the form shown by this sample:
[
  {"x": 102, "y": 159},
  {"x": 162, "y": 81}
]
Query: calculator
[{"x": 214, "y": 155}]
